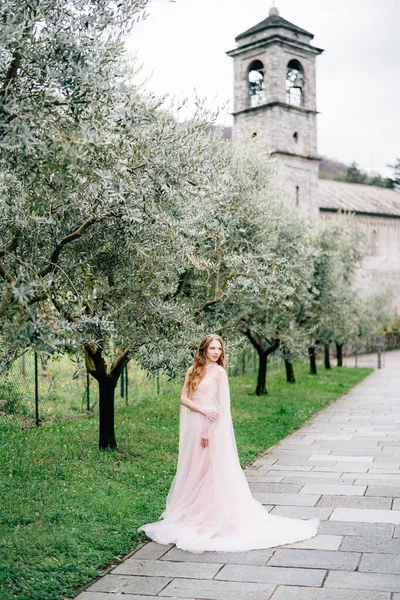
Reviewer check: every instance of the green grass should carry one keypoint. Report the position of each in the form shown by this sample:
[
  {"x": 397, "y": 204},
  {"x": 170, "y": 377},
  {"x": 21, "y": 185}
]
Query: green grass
[
  {"x": 67, "y": 510},
  {"x": 62, "y": 389}
]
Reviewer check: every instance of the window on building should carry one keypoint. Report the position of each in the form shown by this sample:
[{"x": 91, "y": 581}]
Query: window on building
[
  {"x": 256, "y": 83},
  {"x": 297, "y": 195},
  {"x": 294, "y": 83},
  {"x": 296, "y": 136}
]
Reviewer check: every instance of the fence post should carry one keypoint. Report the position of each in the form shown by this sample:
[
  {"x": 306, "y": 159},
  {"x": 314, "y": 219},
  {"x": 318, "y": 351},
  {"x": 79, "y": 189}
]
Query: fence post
[
  {"x": 126, "y": 384},
  {"x": 379, "y": 347},
  {"x": 87, "y": 390},
  {"x": 36, "y": 389},
  {"x": 243, "y": 362},
  {"x": 158, "y": 384},
  {"x": 122, "y": 383},
  {"x": 356, "y": 355},
  {"x": 23, "y": 365}
]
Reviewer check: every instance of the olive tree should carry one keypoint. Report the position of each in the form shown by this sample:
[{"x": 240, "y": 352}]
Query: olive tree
[
  {"x": 339, "y": 249},
  {"x": 102, "y": 196},
  {"x": 251, "y": 264}
]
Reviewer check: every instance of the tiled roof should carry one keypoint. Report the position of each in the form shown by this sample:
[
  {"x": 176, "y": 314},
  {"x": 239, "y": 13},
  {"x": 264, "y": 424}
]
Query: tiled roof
[
  {"x": 274, "y": 20},
  {"x": 356, "y": 197}
]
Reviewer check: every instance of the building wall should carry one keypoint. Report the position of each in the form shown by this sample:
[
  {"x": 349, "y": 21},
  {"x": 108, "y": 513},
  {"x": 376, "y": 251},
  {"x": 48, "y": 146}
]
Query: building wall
[
  {"x": 381, "y": 267},
  {"x": 275, "y": 124}
]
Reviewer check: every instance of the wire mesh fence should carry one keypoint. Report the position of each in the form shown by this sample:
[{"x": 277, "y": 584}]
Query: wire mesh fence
[{"x": 37, "y": 390}]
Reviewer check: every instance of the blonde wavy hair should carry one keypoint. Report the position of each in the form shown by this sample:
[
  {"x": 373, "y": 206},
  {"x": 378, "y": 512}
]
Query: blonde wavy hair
[{"x": 197, "y": 370}]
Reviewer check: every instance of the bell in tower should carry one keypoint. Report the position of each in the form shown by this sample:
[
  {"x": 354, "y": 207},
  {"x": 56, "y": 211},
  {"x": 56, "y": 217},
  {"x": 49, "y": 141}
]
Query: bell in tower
[{"x": 275, "y": 100}]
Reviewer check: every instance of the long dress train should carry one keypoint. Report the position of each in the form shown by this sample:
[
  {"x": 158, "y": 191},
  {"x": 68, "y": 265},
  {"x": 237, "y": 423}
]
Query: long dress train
[{"x": 209, "y": 505}]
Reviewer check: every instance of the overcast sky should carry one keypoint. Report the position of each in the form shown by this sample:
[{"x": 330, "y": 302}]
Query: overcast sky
[{"x": 182, "y": 47}]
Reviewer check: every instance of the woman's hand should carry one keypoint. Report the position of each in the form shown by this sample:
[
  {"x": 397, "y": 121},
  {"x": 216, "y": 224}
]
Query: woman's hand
[
  {"x": 211, "y": 414},
  {"x": 204, "y": 442}
]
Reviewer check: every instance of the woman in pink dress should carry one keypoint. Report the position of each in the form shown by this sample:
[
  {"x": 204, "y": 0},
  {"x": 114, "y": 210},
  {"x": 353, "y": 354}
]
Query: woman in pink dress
[{"x": 209, "y": 505}]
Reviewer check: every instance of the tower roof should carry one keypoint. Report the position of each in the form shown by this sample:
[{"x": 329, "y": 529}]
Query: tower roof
[{"x": 272, "y": 21}]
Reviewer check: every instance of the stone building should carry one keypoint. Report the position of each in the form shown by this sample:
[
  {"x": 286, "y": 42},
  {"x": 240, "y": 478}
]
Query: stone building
[{"x": 275, "y": 100}]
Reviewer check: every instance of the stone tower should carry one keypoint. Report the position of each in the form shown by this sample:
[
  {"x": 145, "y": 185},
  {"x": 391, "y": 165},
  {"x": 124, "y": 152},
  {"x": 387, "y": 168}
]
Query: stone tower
[{"x": 275, "y": 100}]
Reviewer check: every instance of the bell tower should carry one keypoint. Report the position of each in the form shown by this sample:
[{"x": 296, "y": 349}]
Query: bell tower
[{"x": 275, "y": 101}]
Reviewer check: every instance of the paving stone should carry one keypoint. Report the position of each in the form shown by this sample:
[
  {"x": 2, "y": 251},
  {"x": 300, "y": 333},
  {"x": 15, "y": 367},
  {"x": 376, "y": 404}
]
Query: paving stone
[
  {"x": 370, "y": 544},
  {"x": 262, "y": 462},
  {"x": 264, "y": 478},
  {"x": 297, "y": 462},
  {"x": 344, "y": 467},
  {"x": 106, "y": 596},
  {"x": 125, "y": 585},
  {"x": 363, "y": 581},
  {"x": 322, "y": 478},
  {"x": 383, "y": 530},
  {"x": 355, "y": 443},
  {"x": 313, "y": 474},
  {"x": 301, "y": 512},
  {"x": 285, "y": 575},
  {"x": 252, "y": 557},
  {"x": 344, "y": 458},
  {"x": 317, "y": 559},
  {"x": 380, "y": 563},
  {"x": 318, "y": 542},
  {"x": 287, "y": 499},
  {"x": 277, "y": 488},
  {"x": 285, "y": 592},
  {"x": 365, "y": 515},
  {"x": 382, "y": 490},
  {"x": 163, "y": 568},
  {"x": 151, "y": 551},
  {"x": 335, "y": 438},
  {"x": 216, "y": 590},
  {"x": 341, "y": 490},
  {"x": 377, "y": 479},
  {"x": 381, "y": 471},
  {"x": 389, "y": 443},
  {"x": 335, "y": 501},
  {"x": 302, "y": 440},
  {"x": 286, "y": 467},
  {"x": 281, "y": 452},
  {"x": 385, "y": 460}
]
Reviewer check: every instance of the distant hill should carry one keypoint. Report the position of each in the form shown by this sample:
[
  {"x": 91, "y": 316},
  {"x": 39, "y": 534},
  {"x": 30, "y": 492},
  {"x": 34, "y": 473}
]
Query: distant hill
[{"x": 332, "y": 169}]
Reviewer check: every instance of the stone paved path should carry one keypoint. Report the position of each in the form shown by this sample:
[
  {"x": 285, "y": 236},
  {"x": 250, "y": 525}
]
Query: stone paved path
[{"x": 343, "y": 466}]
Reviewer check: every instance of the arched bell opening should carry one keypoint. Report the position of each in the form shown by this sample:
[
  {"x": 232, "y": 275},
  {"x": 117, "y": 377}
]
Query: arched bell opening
[
  {"x": 294, "y": 83},
  {"x": 256, "y": 81}
]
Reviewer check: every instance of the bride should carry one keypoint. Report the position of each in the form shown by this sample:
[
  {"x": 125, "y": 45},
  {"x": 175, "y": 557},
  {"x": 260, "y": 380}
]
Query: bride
[{"x": 209, "y": 505}]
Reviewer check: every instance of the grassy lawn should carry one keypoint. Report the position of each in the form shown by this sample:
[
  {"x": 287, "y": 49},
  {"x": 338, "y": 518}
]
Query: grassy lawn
[{"x": 67, "y": 510}]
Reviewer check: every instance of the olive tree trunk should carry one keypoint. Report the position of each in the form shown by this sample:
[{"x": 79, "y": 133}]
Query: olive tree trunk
[
  {"x": 107, "y": 380},
  {"x": 339, "y": 354},
  {"x": 289, "y": 371},
  {"x": 313, "y": 362},
  {"x": 264, "y": 348},
  {"x": 327, "y": 360},
  {"x": 106, "y": 413}
]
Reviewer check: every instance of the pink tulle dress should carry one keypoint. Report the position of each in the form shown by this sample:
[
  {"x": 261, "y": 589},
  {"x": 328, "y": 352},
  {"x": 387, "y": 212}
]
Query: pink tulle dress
[{"x": 209, "y": 505}]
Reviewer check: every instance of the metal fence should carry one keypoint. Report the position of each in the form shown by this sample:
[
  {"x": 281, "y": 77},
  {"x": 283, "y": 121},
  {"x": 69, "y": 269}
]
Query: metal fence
[{"x": 36, "y": 389}]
